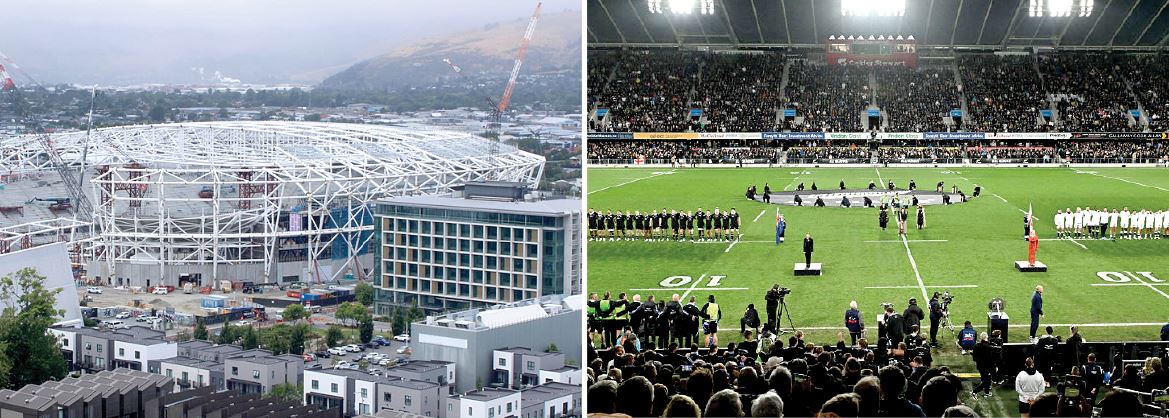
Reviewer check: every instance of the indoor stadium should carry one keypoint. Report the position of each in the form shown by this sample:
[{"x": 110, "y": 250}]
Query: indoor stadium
[{"x": 999, "y": 163}]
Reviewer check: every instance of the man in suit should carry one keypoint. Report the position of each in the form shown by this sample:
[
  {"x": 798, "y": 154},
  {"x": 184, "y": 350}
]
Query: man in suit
[
  {"x": 808, "y": 246},
  {"x": 1036, "y": 311}
]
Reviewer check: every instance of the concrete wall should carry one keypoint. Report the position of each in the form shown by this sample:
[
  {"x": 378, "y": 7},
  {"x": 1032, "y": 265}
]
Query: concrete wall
[{"x": 51, "y": 261}]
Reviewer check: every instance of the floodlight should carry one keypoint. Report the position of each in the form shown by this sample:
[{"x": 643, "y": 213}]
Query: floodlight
[
  {"x": 655, "y": 6},
  {"x": 681, "y": 6},
  {"x": 872, "y": 7}
]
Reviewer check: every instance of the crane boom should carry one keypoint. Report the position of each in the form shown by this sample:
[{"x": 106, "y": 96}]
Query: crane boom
[{"x": 519, "y": 59}]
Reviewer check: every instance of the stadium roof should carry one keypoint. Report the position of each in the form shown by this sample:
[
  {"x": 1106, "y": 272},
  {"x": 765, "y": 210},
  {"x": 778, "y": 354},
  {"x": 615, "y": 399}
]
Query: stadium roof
[{"x": 1129, "y": 24}]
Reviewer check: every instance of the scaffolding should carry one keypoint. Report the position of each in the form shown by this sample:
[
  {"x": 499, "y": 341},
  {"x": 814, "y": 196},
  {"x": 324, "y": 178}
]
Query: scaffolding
[{"x": 218, "y": 196}]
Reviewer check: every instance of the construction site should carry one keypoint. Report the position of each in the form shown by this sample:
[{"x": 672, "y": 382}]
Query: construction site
[{"x": 204, "y": 203}]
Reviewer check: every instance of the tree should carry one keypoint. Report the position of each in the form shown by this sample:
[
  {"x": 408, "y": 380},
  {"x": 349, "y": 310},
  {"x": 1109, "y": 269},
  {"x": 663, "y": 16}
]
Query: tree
[
  {"x": 183, "y": 335},
  {"x": 227, "y": 334},
  {"x": 30, "y": 354},
  {"x": 249, "y": 339},
  {"x": 366, "y": 329},
  {"x": 286, "y": 392},
  {"x": 294, "y": 312},
  {"x": 200, "y": 331},
  {"x": 552, "y": 348},
  {"x": 351, "y": 311},
  {"x": 297, "y": 337},
  {"x": 364, "y": 293},
  {"x": 314, "y": 117},
  {"x": 333, "y": 335}
]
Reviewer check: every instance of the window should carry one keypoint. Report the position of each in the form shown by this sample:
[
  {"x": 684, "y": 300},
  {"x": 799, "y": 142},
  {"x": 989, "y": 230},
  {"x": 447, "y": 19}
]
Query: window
[
  {"x": 509, "y": 407},
  {"x": 531, "y": 365},
  {"x": 88, "y": 346},
  {"x": 364, "y": 392},
  {"x": 169, "y": 373},
  {"x": 316, "y": 384},
  {"x": 99, "y": 348},
  {"x": 491, "y": 413},
  {"x": 137, "y": 354},
  {"x": 100, "y": 362},
  {"x": 234, "y": 371},
  {"x": 364, "y": 408},
  {"x": 333, "y": 387},
  {"x": 406, "y": 400},
  {"x": 387, "y": 397},
  {"x": 469, "y": 411},
  {"x": 65, "y": 342},
  {"x": 185, "y": 376},
  {"x": 502, "y": 362},
  {"x": 255, "y": 374},
  {"x": 200, "y": 379},
  {"x": 121, "y": 352}
]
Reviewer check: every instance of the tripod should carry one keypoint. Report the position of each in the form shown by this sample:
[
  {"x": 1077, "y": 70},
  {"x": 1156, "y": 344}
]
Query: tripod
[{"x": 779, "y": 318}]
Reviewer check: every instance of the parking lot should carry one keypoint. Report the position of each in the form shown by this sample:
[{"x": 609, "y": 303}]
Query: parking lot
[{"x": 390, "y": 350}]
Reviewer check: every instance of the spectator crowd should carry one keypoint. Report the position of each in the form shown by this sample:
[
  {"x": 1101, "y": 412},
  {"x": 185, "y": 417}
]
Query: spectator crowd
[{"x": 916, "y": 100}]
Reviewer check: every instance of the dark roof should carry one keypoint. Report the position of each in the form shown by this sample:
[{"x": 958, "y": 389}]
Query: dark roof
[
  {"x": 486, "y": 394},
  {"x": 547, "y": 391},
  {"x": 989, "y": 23}
]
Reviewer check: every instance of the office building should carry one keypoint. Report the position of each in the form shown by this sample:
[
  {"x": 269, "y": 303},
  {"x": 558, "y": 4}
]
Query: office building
[{"x": 484, "y": 244}]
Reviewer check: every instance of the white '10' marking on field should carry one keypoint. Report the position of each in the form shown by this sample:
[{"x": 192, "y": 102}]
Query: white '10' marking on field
[
  {"x": 1115, "y": 278},
  {"x": 679, "y": 281}
]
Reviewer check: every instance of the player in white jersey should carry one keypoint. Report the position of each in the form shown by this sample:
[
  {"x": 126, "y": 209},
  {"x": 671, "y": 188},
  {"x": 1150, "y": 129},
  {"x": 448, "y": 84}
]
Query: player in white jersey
[
  {"x": 1103, "y": 216},
  {"x": 1090, "y": 221},
  {"x": 1149, "y": 224},
  {"x": 1078, "y": 221},
  {"x": 1165, "y": 223},
  {"x": 1059, "y": 223},
  {"x": 1158, "y": 224},
  {"x": 1125, "y": 217},
  {"x": 1138, "y": 223},
  {"x": 1113, "y": 221}
]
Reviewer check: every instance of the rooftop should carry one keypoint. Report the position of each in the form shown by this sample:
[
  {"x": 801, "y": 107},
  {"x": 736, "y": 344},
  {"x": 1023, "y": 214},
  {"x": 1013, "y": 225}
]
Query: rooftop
[
  {"x": 547, "y": 392},
  {"x": 526, "y": 351},
  {"x": 483, "y": 319},
  {"x": 540, "y": 207},
  {"x": 193, "y": 362},
  {"x": 486, "y": 394}
]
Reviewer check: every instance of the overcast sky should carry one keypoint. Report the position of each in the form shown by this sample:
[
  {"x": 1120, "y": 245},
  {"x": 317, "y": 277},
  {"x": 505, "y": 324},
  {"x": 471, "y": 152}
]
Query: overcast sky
[{"x": 136, "y": 41}]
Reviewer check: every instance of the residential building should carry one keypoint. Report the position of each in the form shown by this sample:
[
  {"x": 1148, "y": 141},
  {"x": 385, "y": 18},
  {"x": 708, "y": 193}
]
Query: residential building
[
  {"x": 482, "y": 245},
  {"x": 117, "y": 393},
  {"x": 520, "y": 367},
  {"x": 359, "y": 392},
  {"x": 209, "y": 403},
  {"x": 485, "y": 403},
  {"x": 551, "y": 400},
  {"x": 469, "y": 338},
  {"x": 89, "y": 349},
  {"x": 256, "y": 371}
]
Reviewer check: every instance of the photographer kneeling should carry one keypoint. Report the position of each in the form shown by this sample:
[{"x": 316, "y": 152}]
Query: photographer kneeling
[{"x": 750, "y": 320}]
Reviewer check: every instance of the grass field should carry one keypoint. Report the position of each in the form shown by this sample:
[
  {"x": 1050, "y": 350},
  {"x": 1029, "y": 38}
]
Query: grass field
[{"x": 968, "y": 249}]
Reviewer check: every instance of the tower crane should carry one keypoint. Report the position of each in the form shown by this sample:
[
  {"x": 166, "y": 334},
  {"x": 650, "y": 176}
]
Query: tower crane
[{"x": 497, "y": 108}]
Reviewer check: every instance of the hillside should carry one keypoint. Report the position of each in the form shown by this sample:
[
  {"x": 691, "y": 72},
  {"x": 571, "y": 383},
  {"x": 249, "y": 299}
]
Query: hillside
[{"x": 485, "y": 54}]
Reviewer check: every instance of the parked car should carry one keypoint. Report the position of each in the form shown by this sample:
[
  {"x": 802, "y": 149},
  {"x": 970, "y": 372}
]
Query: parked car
[
  {"x": 243, "y": 323},
  {"x": 122, "y": 315},
  {"x": 322, "y": 354},
  {"x": 161, "y": 290},
  {"x": 380, "y": 340},
  {"x": 309, "y": 357},
  {"x": 341, "y": 365},
  {"x": 386, "y": 362},
  {"x": 338, "y": 351},
  {"x": 371, "y": 344},
  {"x": 353, "y": 348},
  {"x": 403, "y": 349},
  {"x": 402, "y": 337},
  {"x": 153, "y": 320},
  {"x": 117, "y": 325},
  {"x": 93, "y": 289}
]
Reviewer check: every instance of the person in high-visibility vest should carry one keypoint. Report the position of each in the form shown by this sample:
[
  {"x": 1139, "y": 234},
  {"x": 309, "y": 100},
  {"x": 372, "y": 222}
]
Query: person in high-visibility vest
[
  {"x": 592, "y": 308},
  {"x": 712, "y": 315},
  {"x": 620, "y": 317},
  {"x": 605, "y": 316}
]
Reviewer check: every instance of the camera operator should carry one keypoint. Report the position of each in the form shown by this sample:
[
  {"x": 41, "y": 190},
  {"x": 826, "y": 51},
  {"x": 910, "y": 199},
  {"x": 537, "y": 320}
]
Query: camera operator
[
  {"x": 750, "y": 319},
  {"x": 853, "y": 321},
  {"x": 935, "y": 317},
  {"x": 773, "y": 296},
  {"x": 913, "y": 315},
  {"x": 1072, "y": 391}
]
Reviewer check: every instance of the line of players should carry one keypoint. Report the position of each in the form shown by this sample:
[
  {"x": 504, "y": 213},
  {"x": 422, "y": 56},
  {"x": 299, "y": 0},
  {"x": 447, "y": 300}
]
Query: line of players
[
  {"x": 716, "y": 225},
  {"x": 1102, "y": 224}
]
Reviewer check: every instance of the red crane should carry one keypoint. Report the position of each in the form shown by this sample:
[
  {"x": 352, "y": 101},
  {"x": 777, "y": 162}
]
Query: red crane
[{"x": 519, "y": 59}]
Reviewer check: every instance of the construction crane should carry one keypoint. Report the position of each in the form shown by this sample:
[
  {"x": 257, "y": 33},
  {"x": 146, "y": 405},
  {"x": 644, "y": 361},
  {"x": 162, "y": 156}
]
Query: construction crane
[
  {"x": 497, "y": 109},
  {"x": 82, "y": 210}
]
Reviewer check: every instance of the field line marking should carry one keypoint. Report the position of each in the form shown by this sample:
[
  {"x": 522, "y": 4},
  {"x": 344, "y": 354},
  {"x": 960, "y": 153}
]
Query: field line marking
[
  {"x": 912, "y": 262},
  {"x": 759, "y": 215},
  {"x": 1132, "y": 182},
  {"x": 691, "y": 289},
  {"x": 1166, "y": 295},
  {"x": 1073, "y": 240},
  {"x": 879, "y": 178},
  {"x": 622, "y": 184},
  {"x": 957, "y": 286},
  {"x": 912, "y": 240},
  {"x": 1115, "y": 324},
  {"x": 659, "y": 289},
  {"x": 797, "y": 177},
  {"x": 736, "y": 241},
  {"x": 1130, "y": 284},
  {"x": 1000, "y": 198}
]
